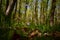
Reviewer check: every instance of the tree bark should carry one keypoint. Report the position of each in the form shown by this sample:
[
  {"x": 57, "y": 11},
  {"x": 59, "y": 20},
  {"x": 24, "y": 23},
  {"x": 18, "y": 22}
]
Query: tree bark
[
  {"x": 10, "y": 7},
  {"x": 36, "y": 12},
  {"x": 0, "y": 4},
  {"x": 52, "y": 12},
  {"x": 7, "y": 3}
]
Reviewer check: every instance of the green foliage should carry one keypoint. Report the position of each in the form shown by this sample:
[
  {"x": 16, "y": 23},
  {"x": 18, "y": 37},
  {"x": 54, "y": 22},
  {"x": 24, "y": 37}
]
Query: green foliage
[
  {"x": 3, "y": 33},
  {"x": 14, "y": 20},
  {"x": 10, "y": 34},
  {"x": 56, "y": 27}
]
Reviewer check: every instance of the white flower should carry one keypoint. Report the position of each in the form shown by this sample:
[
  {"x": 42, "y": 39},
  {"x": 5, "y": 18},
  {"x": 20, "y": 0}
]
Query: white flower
[{"x": 28, "y": 23}]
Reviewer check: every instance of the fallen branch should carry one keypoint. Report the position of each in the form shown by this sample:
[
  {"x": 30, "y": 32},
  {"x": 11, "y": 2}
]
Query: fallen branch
[{"x": 39, "y": 34}]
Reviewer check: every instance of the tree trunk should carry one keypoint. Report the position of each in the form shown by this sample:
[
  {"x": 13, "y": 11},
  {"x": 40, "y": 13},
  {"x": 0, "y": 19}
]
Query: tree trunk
[
  {"x": 36, "y": 11},
  {"x": 52, "y": 12},
  {"x": 7, "y": 3},
  {"x": 10, "y": 7}
]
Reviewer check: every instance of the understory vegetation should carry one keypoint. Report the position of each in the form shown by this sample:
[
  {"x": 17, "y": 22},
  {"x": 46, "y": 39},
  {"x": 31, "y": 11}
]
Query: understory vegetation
[{"x": 29, "y": 19}]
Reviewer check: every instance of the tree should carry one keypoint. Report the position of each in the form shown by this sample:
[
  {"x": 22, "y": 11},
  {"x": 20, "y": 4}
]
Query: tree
[
  {"x": 52, "y": 12},
  {"x": 10, "y": 7},
  {"x": 7, "y": 3}
]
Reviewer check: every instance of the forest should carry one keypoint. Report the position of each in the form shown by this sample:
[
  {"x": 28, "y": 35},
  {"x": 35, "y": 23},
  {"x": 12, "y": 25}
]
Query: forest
[{"x": 29, "y": 19}]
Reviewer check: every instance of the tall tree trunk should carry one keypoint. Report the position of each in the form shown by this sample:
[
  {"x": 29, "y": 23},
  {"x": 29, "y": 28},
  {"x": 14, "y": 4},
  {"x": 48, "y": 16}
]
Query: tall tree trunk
[
  {"x": 20, "y": 8},
  {"x": 11, "y": 7},
  {"x": 9, "y": 12},
  {"x": 0, "y": 12},
  {"x": 42, "y": 16},
  {"x": 58, "y": 12},
  {"x": 26, "y": 7},
  {"x": 36, "y": 11},
  {"x": 52, "y": 12},
  {"x": 0, "y": 3},
  {"x": 7, "y": 3},
  {"x": 46, "y": 9}
]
